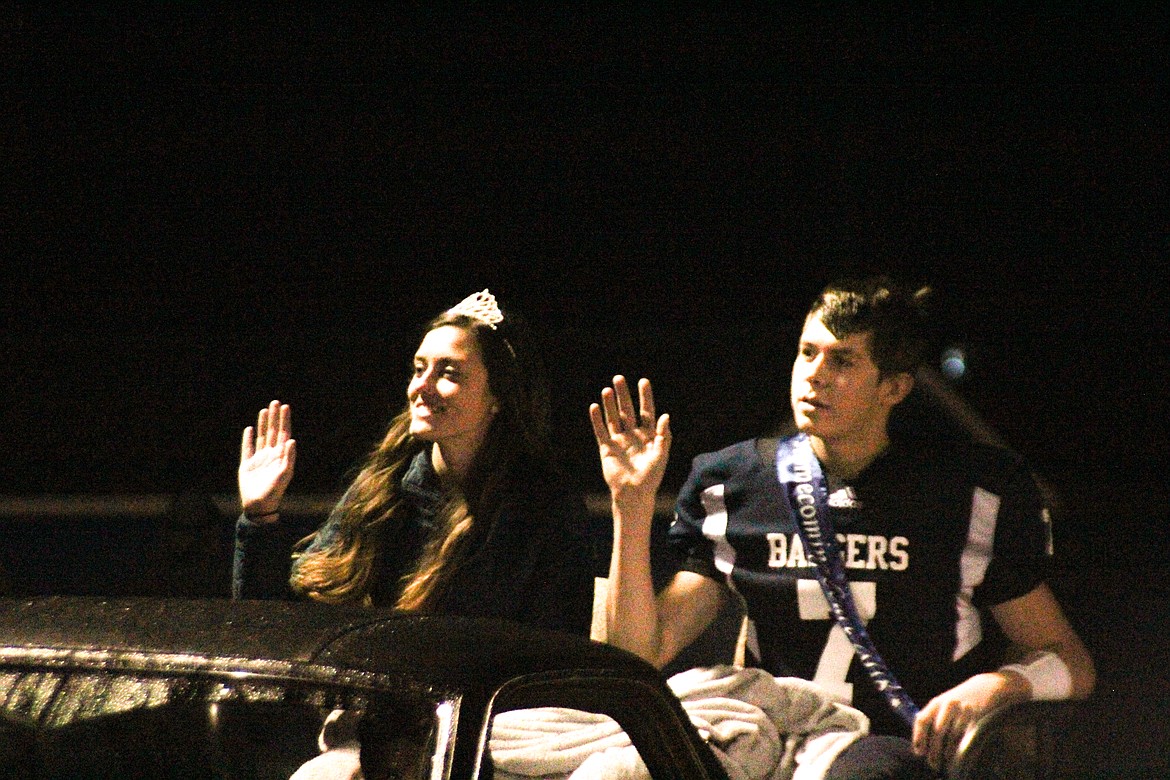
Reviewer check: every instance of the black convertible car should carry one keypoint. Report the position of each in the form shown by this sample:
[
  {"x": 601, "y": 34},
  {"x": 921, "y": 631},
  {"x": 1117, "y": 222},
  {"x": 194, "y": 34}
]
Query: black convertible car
[
  {"x": 222, "y": 689},
  {"x": 163, "y": 688}
]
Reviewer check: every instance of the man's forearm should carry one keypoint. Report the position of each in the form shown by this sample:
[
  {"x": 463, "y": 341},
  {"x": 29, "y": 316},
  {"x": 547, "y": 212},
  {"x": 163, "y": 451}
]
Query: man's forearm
[{"x": 631, "y": 608}]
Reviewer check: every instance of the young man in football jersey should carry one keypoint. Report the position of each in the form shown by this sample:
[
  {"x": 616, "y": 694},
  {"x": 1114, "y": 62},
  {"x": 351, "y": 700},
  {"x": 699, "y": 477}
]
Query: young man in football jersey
[{"x": 935, "y": 539}]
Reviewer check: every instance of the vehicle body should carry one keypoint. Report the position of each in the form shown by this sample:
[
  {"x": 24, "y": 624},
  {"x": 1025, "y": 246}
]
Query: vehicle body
[
  {"x": 236, "y": 689},
  {"x": 212, "y": 688}
]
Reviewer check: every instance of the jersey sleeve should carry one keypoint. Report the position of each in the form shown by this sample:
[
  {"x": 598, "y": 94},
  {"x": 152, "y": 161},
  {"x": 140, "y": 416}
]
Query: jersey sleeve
[
  {"x": 1022, "y": 550},
  {"x": 690, "y": 547}
]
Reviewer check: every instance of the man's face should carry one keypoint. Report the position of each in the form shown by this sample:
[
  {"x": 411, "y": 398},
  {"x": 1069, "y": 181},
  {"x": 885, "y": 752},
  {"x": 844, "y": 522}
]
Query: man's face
[{"x": 838, "y": 394}]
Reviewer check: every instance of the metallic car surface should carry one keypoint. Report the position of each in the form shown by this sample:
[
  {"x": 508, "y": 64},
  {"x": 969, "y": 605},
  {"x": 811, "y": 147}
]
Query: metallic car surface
[{"x": 71, "y": 667}]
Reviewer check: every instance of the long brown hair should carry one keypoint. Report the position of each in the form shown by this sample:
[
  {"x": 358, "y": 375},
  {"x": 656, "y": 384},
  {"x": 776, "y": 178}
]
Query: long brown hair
[{"x": 342, "y": 568}]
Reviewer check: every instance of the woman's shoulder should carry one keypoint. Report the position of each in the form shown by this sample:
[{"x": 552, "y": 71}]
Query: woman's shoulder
[
  {"x": 531, "y": 472},
  {"x": 537, "y": 485}
]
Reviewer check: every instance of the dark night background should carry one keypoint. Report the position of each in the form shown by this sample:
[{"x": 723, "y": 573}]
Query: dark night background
[{"x": 204, "y": 210}]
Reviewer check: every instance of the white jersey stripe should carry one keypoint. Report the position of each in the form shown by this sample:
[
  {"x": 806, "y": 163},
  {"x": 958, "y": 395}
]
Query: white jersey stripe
[
  {"x": 715, "y": 528},
  {"x": 973, "y": 568}
]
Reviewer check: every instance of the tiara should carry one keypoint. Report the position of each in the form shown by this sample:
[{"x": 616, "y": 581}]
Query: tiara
[{"x": 479, "y": 306}]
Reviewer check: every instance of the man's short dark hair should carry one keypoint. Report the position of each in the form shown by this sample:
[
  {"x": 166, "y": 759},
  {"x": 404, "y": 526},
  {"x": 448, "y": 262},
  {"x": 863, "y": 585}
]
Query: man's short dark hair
[{"x": 893, "y": 314}]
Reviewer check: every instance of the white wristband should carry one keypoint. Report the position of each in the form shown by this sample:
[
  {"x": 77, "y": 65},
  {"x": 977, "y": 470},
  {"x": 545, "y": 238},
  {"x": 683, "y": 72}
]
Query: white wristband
[{"x": 1048, "y": 675}]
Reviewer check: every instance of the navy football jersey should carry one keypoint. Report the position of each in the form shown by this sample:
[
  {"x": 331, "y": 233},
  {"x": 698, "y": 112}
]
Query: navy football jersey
[{"x": 930, "y": 536}]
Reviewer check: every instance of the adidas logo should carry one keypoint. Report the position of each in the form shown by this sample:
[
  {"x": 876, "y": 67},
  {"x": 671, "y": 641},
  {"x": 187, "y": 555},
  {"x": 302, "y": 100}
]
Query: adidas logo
[{"x": 844, "y": 498}]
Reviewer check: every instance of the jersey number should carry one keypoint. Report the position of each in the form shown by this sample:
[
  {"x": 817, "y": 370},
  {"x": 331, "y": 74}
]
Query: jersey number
[{"x": 833, "y": 667}]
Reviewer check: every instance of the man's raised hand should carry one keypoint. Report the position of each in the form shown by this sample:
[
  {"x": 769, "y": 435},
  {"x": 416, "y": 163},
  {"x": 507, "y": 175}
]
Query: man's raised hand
[{"x": 633, "y": 446}]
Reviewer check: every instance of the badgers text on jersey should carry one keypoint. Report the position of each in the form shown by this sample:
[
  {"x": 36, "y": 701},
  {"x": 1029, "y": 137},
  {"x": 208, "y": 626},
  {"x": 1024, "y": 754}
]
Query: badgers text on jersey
[{"x": 858, "y": 551}]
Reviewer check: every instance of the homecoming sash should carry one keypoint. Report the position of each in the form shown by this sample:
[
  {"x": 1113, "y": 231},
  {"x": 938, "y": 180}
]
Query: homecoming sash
[{"x": 807, "y": 497}]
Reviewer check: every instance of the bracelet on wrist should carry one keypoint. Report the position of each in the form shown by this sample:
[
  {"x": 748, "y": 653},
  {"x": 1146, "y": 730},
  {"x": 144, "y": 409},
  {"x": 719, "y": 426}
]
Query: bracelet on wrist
[{"x": 262, "y": 514}]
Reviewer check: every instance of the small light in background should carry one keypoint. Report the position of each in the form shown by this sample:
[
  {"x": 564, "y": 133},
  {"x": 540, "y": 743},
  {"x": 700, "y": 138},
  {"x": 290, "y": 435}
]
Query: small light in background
[{"x": 953, "y": 364}]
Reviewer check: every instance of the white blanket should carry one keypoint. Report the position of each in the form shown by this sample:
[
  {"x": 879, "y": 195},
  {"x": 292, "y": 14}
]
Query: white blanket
[{"x": 761, "y": 728}]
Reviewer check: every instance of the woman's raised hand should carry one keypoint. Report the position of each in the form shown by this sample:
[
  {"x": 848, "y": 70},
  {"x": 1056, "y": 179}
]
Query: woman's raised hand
[
  {"x": 633, "y": 446},
  {"x": 267, "y": 456}
]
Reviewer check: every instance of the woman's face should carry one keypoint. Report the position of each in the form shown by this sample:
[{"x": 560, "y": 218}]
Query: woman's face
[{"x": 450, "y": 402}]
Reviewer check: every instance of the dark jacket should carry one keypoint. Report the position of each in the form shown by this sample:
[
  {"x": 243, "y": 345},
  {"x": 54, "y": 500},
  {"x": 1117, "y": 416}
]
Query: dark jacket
[{"x": 534, "y": 565}]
